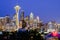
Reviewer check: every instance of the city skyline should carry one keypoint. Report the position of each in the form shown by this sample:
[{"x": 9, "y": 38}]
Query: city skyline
[{"x": 47, "y": 10}]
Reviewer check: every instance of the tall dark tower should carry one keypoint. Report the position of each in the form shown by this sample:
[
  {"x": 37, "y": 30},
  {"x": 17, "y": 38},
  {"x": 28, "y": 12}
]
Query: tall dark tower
[
  {"x": 22, "y": 15},
  {"x": 23, "y": 24},
  {"x": 22, "y": 19}
]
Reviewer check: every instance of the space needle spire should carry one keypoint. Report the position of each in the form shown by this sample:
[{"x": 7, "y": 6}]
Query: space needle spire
[{"x": 17, "y": 8}]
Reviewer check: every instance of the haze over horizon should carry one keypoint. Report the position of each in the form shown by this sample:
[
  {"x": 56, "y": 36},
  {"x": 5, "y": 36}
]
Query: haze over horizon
[{"x": 46, "y": 9}]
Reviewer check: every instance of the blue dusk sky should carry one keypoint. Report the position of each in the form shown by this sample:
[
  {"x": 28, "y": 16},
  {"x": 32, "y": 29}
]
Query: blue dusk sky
[{"x": 46, "y": 9}]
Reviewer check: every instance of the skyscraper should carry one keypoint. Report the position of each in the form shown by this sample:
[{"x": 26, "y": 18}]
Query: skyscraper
[
  {"x": 22, "y": 15},
  {"x": 1, "y": 25},
  {"x": 38, "y": 20},
  {"x": 31, "y": 19},
  {"x": 31, "y": 16},
  {"x": 7, "y": 19},
  {"x": 27, "y": 20},
  {"x": 35, "y": 23}
]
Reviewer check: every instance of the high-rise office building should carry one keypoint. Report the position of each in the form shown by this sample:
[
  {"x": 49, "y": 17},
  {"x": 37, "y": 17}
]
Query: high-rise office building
[
  {"x": 7, "y": 19},
  {"x": 58, "y": 27},
  {"x": 14, "y": 18},
  {"x": 1, "y": 25},
  {"x": 31, "y": 16},
  {"x": 23, "y": 24},
  {"x": 22, "y": 21},
  {"x": 35, "y": 23},
  {"x": 22, "y": 15},
  {"x": 31, "y": 19},
  {"x": 20, "y": 24},
  {"x": 27, "y": 20},
  {"x": 38, "y": 20}
]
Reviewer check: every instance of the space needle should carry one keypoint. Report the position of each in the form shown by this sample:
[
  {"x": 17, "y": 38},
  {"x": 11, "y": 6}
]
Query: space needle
[{"x": 17, "y": 8}]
